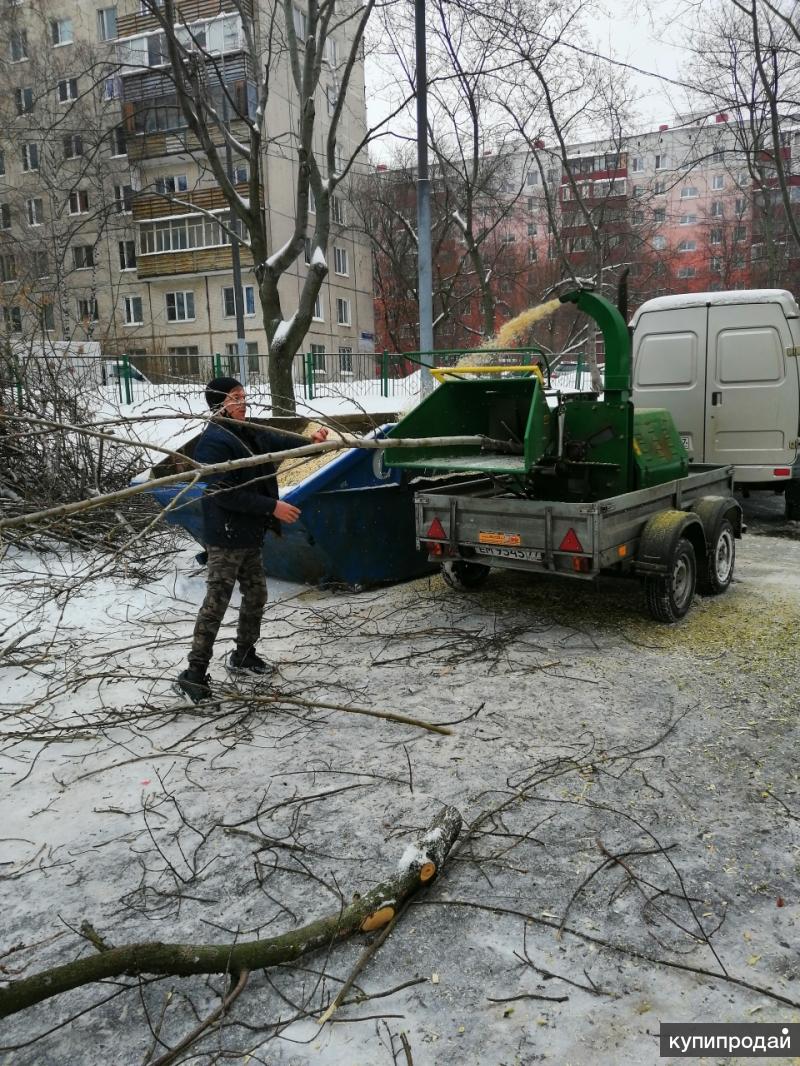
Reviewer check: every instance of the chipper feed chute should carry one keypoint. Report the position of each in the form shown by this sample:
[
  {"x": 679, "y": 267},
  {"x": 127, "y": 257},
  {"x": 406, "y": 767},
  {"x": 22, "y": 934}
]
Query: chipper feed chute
[{"x": 577, "y": 447}]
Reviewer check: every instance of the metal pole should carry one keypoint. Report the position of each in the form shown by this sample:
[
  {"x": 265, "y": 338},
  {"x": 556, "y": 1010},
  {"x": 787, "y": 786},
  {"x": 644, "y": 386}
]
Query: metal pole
[
  {"x": 424, "y": 257},
  {"x": 238, "y": 294}
]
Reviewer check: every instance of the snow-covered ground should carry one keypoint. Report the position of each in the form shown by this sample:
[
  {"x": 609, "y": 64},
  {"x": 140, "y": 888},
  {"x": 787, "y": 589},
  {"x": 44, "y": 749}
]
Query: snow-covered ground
[{"x": 635, "y": 781}]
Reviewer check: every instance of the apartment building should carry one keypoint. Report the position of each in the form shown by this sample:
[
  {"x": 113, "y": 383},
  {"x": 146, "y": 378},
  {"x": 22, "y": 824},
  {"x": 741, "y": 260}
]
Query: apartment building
[
  {"x": 687, "y": 208},
  {"x": 112, "y": 226}
]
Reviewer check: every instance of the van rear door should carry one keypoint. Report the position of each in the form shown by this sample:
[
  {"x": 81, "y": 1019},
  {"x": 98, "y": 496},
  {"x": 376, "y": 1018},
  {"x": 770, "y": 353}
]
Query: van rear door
[
  {"x": 752, "y": 387},
  {"x": 669, "y": 370}
]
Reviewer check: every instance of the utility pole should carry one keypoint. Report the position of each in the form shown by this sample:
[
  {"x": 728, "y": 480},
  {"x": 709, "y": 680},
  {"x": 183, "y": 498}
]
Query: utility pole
[{"x": 424, "y": 256}]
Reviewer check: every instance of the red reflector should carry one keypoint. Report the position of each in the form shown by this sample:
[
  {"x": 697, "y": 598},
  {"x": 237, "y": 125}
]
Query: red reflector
[
  {"x": 437, "y": 530},
  {"x": 782, "y": 471},
  {"x": 570, "y": 543}
]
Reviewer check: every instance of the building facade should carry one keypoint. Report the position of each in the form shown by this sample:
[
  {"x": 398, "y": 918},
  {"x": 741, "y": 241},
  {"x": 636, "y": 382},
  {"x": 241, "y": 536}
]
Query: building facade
[{"x": 112, "y": 226}]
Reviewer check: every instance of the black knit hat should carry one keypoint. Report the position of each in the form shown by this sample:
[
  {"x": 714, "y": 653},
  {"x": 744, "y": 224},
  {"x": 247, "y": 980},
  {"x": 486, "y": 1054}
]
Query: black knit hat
[{"x": 218, "y": 389}]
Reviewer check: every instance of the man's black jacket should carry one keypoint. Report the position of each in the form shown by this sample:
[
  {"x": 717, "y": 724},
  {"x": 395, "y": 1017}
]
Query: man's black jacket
[{"x": 238, "y": 506}]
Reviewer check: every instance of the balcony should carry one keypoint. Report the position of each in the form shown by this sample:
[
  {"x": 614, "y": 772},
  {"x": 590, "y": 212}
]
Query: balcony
[
  {"x": 147, "y": 206},
  {"x": 190, "y": 11},
  {"x": 188, "y": 261}
]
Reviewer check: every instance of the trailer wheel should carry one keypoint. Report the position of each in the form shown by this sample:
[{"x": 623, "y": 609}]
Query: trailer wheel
[
  {"x": 717, "y": 572},
  {"x": 792, "y": 497},
  {"x": 669, "y": 596},
  {"x": 461, "y": 574}
]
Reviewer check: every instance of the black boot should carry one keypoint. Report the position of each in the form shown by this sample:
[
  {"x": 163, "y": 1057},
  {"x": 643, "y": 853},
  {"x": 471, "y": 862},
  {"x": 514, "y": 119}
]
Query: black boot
[
  {"x": 247, "y": 662},
  {"x": 194, "y": 684}
]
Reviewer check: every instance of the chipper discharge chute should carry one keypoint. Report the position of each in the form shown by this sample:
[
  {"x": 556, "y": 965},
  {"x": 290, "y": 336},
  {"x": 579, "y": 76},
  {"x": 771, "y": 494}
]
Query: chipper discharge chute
[{"x": 574, "y": 484}]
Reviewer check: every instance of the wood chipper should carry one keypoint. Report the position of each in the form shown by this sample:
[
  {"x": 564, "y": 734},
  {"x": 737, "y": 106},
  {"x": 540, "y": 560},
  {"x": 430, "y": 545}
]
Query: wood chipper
[{"x": 572, "y": 484}]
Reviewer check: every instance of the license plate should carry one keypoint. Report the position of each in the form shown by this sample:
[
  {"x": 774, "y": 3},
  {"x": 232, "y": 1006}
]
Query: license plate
[
  {"x": 528, "y": 554},
  {"x": 686, "y": 441}
]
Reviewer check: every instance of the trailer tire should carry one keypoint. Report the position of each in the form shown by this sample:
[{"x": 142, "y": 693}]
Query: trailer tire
[
  {"x": 716, "y": 573},
  {"x": 670, "y": 595},
  {"x": 792, "y": 497},
  {"x": 461, "y": 574}
]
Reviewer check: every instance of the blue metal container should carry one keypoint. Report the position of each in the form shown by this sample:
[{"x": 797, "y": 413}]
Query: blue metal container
[{"x": 356, "y": 525}]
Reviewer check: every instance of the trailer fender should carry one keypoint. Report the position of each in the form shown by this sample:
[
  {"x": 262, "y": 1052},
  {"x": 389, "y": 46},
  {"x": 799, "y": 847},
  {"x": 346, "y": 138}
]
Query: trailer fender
[
  {"x": 711, "y": 509},
  {"x": 660, "y": 538}
]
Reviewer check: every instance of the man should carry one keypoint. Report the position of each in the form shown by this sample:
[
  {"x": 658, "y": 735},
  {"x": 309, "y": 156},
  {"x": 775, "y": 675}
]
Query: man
[{"x": 238, "y": 508}]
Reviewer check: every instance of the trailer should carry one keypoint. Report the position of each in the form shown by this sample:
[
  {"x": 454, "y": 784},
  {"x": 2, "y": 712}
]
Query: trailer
[{"x": 580, "y": 488}]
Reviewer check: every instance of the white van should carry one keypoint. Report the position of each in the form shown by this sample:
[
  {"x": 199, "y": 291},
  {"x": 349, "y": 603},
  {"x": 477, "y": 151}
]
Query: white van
[{"x": 725, "y": 364}]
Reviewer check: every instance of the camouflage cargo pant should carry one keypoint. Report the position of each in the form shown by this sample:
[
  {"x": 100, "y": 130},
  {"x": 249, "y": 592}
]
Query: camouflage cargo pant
[{"x": 225, "y": 567}]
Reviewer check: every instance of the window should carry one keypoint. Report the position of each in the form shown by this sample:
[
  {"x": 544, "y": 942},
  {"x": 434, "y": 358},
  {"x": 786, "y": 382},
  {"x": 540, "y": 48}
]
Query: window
[
  {"x": 688, "y": 192},
  {"x": 740, "y": 205},
  {"x": 342, "y": 311},
  {"x": 532, "y": 229},
  {"x": 331, "y": 52},
  {"x": 716, "y": 263},
  {"x": 687, "y": 272},
  {"x": 48, "y": 318},
  {"x": 180, "y": 306},
  {"x": 307, "y": 251},
  {"x": 687, "y": 246},
  {"x": 718, "y": 156},
  {"x": 41, "y": 264},
  {"x": 715, "y": 236},
  {"x": 127, "y": 255},
  {"x": 317, "y": 316},
  {"x": 170, "y": 184},
  {"x": 18, "y": 45},
  {"x": 338, "y": 211},
  {"x": 83, "y": 256},
  {"x": 12, "y": 317},
  {"x": 346, "y": 360},
  {"x": 718, "y": 181},
  {"x": 61, "y": 31},
  {"x": 637, "y": 218},
  {"x": 8, "y": 268},
  {"x": 637, "y": 164},
  {"x": 661, "y": 161},
  {"x": 30, "y": 157},
  {"x": 133, "y": 311},
  {"x": 110, "y": 89},
  {"x": 157, "y": 49},
  {"x": 73, "y": 145},
  {"x": 241, "y": 175},
  {"x": 740, "y": 233},
  {"x": 78, "y": 202},
  {"x": 251, "y": 349},
  {"x": 229, "y": 303},
  {"x": 331, "y": 96},
  {"x": 67, "y": 90},
  {"x": 2, "y": 162},
  {"x": 300, "y": 22},
  {"x": 123, "y": 198},
  {"x": 659, "y": 243},
  {"x": 183, "y": 349},
  {"x": 532, "y": 254},
  {"x": 637, "y": 191},
  {"x": 688, "y": 220},
  {"x": 340, "y": 264},
  {"x": 35, "y": 209},
  {"x": 24, "y": 100},
  {"x": 659, "y": 188},
  {"x": 106, "y": 23},
  {"x": 716, "y": 209},
  {"x": 659, "y": 214},
  {"x": 5, "y": 216},
  {"x": 532, "y": 177},
  {"x": 192, "y": 231},
  {"x": 87, "y": 310},
  {"x": 318, "y": 358},
  {"x": 117, "y": 141}
]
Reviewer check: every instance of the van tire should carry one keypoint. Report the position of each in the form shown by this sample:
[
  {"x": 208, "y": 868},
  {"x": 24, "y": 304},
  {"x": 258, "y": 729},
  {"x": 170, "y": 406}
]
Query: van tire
[
  {"x": 461, "y": 574},
  {"x": 716, "y": 571},
  {"x": 669, "y": 596},
  {"x": 792, "y": 496}
]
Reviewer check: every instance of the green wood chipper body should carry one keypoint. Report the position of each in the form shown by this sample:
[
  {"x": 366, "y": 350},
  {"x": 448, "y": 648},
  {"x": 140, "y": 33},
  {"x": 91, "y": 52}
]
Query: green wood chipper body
[{"x": 583, "y": 448}]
